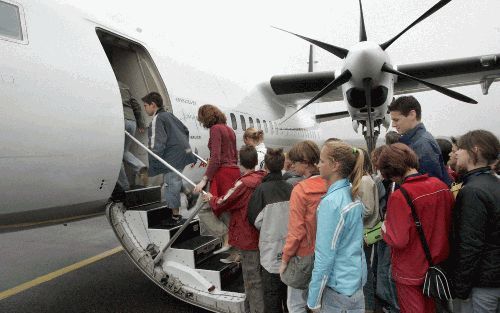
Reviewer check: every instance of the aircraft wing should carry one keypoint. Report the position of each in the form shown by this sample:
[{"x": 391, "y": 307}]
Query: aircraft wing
[{"x": 482, "y": 70}]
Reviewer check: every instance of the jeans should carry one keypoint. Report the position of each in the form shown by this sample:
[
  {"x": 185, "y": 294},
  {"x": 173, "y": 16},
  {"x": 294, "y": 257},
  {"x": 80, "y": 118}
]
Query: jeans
[
  {"x": 296, "y": 300},
  {"x": 128, "y": 157},
  {"x": 274, "y": 291},
  {"x": 385, "y": 287},
  {"x": 334, "y": 302},
  {"x": 369, "y": 287},
  {"x": 173, "y": 186},
  {"x": 252, "y": 280}
]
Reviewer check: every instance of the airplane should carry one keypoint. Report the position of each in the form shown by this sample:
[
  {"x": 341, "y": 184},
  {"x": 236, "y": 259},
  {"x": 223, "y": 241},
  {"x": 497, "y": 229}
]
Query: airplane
[{"x": 62, "y": 140}]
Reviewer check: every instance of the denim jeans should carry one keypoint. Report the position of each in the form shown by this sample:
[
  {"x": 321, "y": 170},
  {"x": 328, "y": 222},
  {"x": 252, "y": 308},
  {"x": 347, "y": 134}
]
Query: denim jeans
[
  {"x": 334, "y": 302},
  {"x": 385, "y": 287},
  {"x": 173, "y": 186},
  {"x": 296, "y": 300},
  {"x": 128, "y": 157}
]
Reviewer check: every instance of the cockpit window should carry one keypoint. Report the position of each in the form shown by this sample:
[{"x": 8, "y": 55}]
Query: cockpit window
[{"x": 10, "y": 21}]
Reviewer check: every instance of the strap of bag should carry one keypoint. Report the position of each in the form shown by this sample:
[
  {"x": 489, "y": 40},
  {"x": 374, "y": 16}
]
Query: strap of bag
[{"x": 419, "y": 226}]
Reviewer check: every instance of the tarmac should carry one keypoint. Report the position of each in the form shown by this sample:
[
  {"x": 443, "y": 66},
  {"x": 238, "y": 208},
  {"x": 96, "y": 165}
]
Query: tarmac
[{"x": 78, "y": 266}]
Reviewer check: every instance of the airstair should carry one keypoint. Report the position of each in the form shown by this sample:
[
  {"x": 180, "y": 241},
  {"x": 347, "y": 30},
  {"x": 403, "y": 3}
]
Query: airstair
[
  {"x": 175, "y": 255},
  {"x": 188, "y": 269}
]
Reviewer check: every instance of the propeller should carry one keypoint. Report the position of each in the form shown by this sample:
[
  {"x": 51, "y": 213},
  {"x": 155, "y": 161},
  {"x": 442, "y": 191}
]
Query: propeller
[
  {"x": 443, "y": 90},
  {"x": 342, "y": 79},
  {"x": 429, "y": 12},
  {"x": 362, "y": 29},
  {"x": 338, "y": 51}
]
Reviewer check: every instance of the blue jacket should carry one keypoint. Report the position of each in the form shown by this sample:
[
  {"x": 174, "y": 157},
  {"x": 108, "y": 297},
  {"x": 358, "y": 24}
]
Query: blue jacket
[
  {"x": 339, "y": 258},
  {"x": 169, "y": 139},
  {"x": 429, "y": 155}
]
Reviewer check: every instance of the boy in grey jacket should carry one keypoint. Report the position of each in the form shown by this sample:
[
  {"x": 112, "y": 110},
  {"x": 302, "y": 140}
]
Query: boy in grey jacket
[
  {"x": 169, "y": 139},
  {"x": 268, "y": 211}
]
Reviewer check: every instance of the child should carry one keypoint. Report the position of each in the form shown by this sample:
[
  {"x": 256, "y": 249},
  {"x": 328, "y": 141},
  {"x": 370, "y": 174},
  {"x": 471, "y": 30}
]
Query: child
[{"x": 268, "y": 211}]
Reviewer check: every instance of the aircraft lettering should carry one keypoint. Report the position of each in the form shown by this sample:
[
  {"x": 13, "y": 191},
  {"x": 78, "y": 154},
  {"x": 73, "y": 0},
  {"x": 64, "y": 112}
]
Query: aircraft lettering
[{"x": 187, "y": 101}]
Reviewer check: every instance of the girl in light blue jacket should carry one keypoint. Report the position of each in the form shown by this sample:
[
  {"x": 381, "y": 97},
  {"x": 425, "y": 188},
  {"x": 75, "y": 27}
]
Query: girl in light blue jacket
[{"x": 339, "y": 266}]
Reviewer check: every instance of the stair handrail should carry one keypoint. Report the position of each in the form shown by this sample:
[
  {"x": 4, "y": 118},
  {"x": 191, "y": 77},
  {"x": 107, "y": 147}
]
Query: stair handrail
[{"x": 159, "y": 256}]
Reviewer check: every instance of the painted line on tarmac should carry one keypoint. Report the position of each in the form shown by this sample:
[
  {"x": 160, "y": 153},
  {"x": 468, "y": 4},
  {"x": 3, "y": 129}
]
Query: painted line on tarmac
[
  {"x": 45, "y": 278},
  {"x": 56, "y": 221}
]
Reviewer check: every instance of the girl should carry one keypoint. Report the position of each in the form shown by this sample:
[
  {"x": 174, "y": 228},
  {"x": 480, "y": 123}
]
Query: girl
[
  {"x": 222, "y": 170},
  {"x": 339, "y": 265},
  {"x": 255, "y": 138}
]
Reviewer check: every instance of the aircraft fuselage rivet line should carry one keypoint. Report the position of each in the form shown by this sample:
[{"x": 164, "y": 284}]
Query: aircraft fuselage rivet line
[{"x": 45, "y": 278}]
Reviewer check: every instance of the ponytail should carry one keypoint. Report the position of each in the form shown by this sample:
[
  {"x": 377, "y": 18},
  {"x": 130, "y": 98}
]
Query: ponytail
[
  {"x": 358, "y": 172},
  {"x": 351, "y": 160}
]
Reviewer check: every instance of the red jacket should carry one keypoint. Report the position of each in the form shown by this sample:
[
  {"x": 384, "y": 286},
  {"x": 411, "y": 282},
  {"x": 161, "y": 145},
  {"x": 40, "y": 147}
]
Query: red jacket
[
  {"x": 242, "y": 235},
  {"x": 433, "y": 202},
  {"x": 222, "y": 146}
]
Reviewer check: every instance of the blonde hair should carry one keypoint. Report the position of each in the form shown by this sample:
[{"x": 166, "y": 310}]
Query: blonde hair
[
  {"x": 255, "y": 134},
  {"x": 351, "y": 162}
]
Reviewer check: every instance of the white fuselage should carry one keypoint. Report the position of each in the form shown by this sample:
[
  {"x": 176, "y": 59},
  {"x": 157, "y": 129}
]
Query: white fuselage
[{"x": 62, "y": 129}]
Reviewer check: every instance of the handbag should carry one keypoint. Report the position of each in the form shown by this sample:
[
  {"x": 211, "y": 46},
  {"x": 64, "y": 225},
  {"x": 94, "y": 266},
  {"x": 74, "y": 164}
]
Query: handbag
[
  {"x": 373, "y": 235},
  {"x": 298, "y": 272},
  {"x": 436, "y": 284}
]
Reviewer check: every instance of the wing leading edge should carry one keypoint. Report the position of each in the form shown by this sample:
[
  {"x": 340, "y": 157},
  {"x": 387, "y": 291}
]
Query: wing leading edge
[{"x": 482, "y": 70}]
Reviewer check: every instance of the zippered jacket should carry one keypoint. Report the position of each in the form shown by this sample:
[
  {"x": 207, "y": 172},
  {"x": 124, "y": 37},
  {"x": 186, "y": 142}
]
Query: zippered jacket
[
  {"x": 433, "y": 202},
  {"x": 429, "y": 155},
  {"x": 169, "y": 139},
  {"x": 475, "y": 255},
  {"x": 242, "y": 234},
  {"x": 268, "y": 212},
  {"x": 302, "y": 218},
  {"x": 339, "y": 260}
]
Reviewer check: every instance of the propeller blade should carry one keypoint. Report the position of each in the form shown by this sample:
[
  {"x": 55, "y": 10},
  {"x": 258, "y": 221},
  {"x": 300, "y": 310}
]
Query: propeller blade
[
  {"x": 342, "y": 79},
  {"x": 429, "y": 12},
  {"x": 443, "y": 90},
  {"x": 362, "y": 29},
  {"x": 338, "y": 51}
]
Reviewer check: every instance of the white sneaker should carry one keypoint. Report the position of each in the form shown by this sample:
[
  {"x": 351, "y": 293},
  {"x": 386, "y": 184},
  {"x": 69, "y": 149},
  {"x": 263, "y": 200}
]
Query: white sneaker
[{"x": 223, "y": 249}]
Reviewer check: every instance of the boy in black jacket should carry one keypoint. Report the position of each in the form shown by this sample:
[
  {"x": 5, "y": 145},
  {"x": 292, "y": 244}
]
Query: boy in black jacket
[{"x": 268, "y": 211}]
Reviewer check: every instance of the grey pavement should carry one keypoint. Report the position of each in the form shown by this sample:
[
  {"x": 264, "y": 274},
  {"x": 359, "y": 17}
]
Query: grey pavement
[{"x": 112, "y": 284}]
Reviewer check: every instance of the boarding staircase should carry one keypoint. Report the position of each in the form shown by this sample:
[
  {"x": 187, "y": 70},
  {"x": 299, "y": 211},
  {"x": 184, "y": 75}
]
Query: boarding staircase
[{"x": 188, "y": 269}]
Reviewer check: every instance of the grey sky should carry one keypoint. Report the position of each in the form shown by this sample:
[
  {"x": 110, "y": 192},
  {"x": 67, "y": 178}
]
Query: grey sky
[{"x": 233, "y": 39}]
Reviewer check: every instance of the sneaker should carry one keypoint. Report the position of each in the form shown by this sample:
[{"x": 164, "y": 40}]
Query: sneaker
[
  {"x": 223, "y": 249},
  {"x": 233, "y": 258},
  {"x": 176, "y": 217}
]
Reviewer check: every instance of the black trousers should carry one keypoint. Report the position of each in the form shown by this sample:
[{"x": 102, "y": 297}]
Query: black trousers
[{"x": 274, "y": 293}]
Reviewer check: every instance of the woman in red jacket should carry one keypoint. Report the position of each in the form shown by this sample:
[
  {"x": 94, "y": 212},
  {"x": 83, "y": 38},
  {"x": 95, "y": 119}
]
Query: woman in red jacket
[
  {"x": 223, "y": 169},
  {"x": 433, "y": 202}
]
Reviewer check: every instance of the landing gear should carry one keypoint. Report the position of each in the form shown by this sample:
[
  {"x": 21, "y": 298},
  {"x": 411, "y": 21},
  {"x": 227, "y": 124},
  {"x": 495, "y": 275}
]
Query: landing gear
[{"x": 369, "y": 132}]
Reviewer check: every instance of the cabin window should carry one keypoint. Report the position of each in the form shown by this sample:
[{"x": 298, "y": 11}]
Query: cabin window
[
  {"x": 250, "y": 120},
  {"x": 243, "y": 123},
  {"x": 258, "y": 123},
  {"x": 265, "y": 126},
  {"x": 10, "y": 21},
  {"x": 233, "y": 121}
]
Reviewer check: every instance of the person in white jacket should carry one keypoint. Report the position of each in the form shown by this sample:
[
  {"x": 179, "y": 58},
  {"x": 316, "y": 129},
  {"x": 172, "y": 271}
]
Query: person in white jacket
[{"x": 255, "y": 138}]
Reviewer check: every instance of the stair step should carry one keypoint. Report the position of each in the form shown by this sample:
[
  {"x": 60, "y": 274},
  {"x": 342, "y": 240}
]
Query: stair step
[
  {"x": 201, "y": 247},
  {"x": 193, "y": 230},
  {"x": 142, "y": 196},
  {"x": 220, "y": 274},
  {"x": 161, "y": 215}
]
